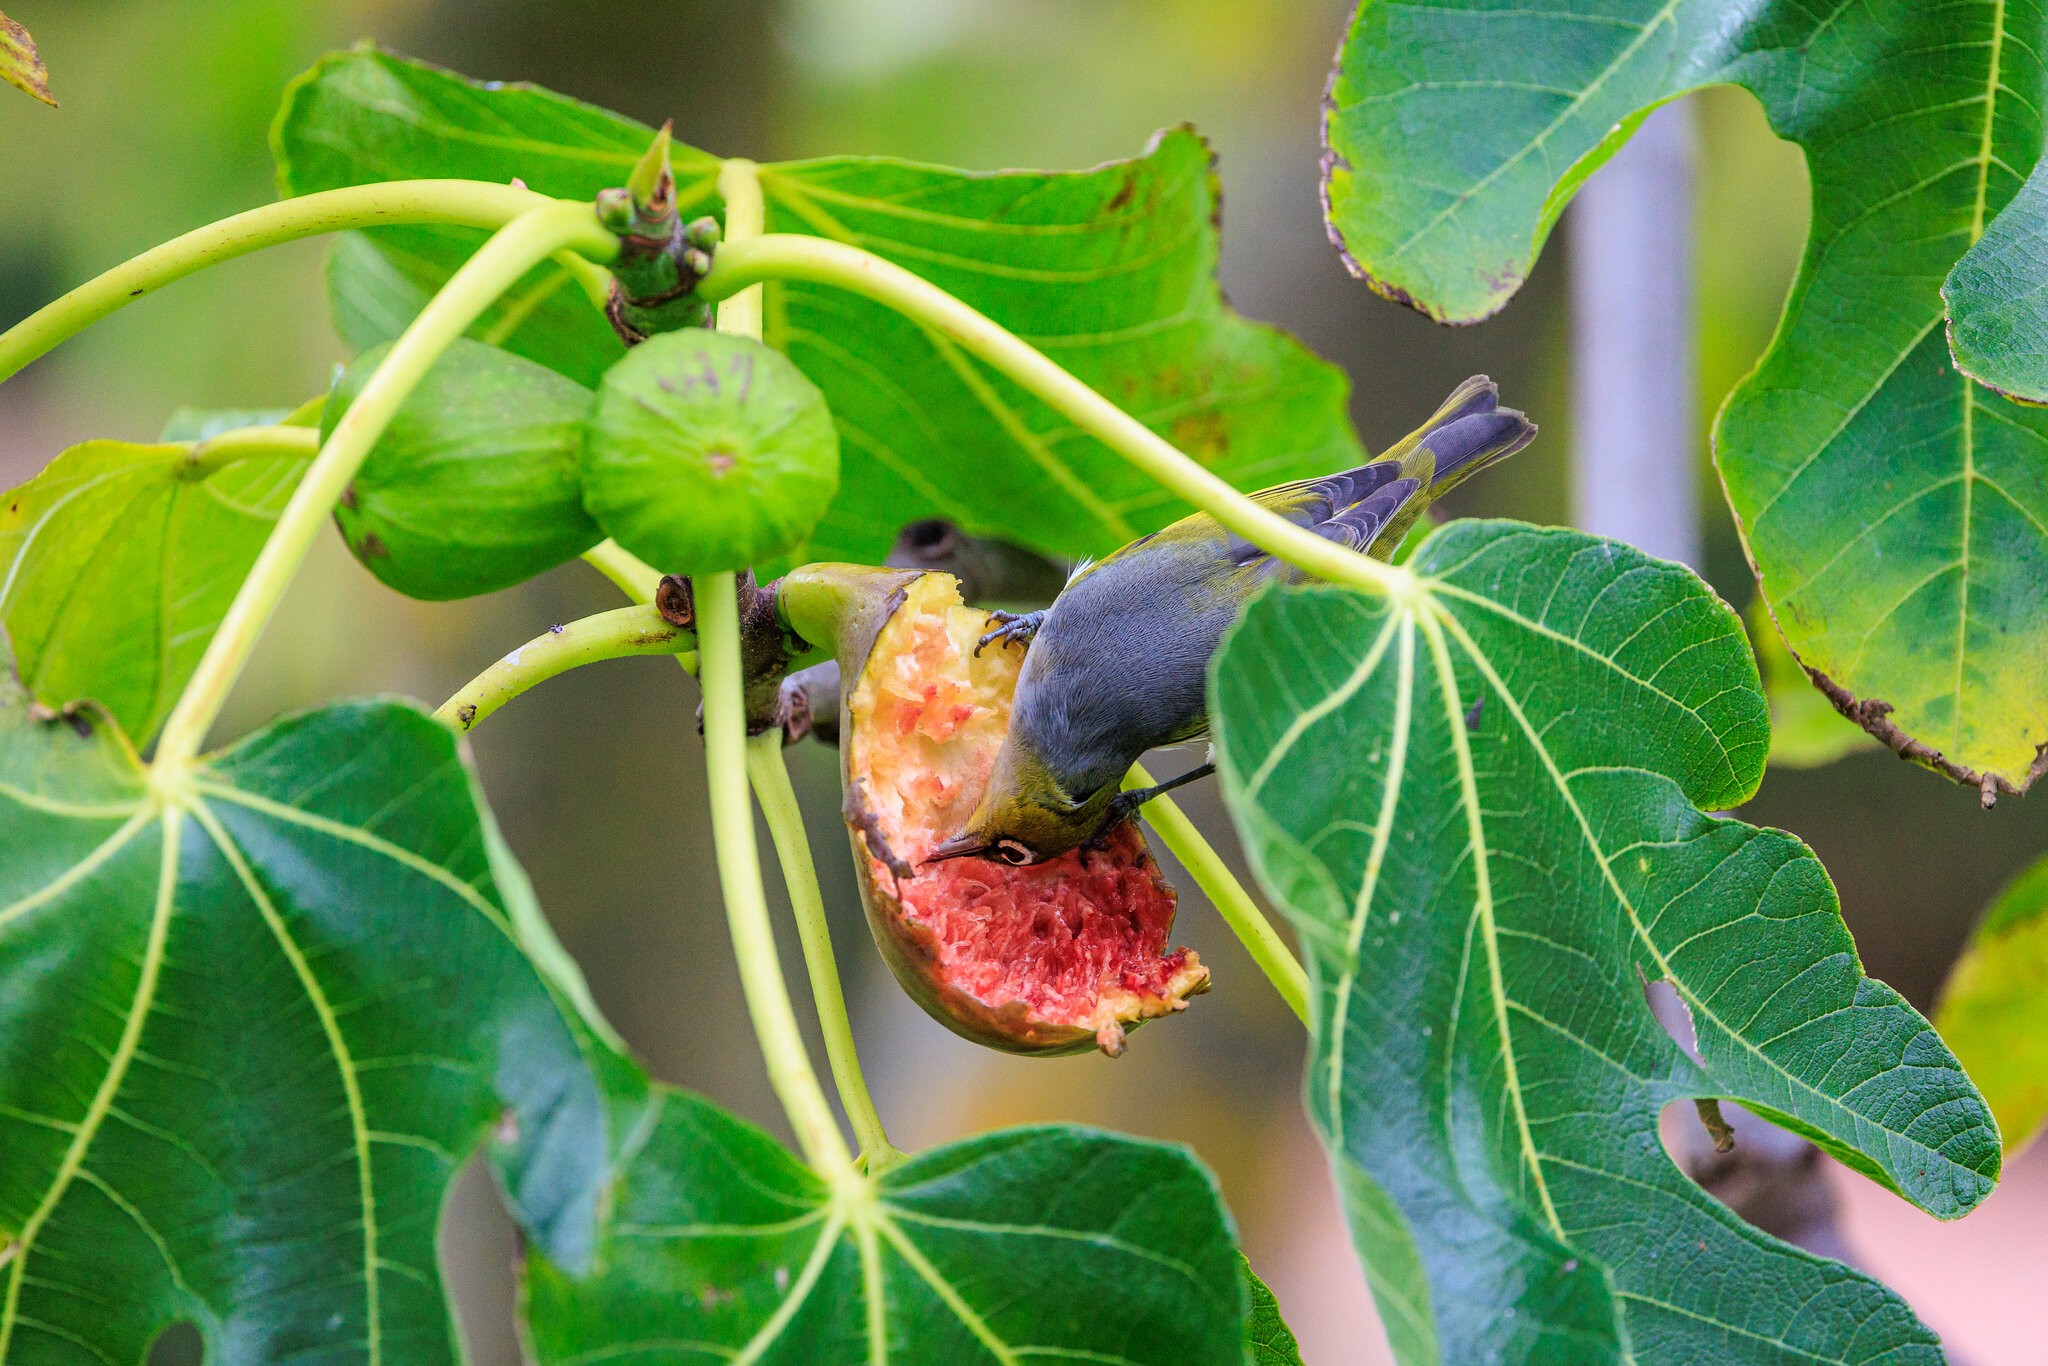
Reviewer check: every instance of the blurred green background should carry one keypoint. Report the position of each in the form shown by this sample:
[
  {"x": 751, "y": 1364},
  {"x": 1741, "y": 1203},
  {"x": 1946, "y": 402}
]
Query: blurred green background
[{"x": 597, "y": 777}]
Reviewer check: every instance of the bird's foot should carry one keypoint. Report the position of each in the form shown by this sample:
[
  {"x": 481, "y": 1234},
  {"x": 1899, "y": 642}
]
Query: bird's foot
[
  {"x": 1012, "y": 628},
  {"x": 1124, "y": 805}
]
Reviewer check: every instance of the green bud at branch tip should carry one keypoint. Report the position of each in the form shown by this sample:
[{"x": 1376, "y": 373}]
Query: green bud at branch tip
[{"x": 653, "y": 182}]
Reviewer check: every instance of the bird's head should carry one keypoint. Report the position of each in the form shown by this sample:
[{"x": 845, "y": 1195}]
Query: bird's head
[{"x": 1024, "y": 816}]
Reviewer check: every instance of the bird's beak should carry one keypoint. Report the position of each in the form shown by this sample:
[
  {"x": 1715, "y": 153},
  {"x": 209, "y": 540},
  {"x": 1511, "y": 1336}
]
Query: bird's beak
[{"x": 960, "y": 846}]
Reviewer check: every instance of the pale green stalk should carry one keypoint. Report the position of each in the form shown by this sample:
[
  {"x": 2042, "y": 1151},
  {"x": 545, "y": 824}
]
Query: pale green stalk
[
  {"x": 626, "y": 633},
  {"x": 739, "y": 184},
  {"x": 800, "y": 875},
  {"x": 739, "y": 875},
  {"x": 743, "y": 264},
  {"x": 1187, "y": 844},
  {"x": 465, "y": 203},
  {"x": 634, "y": 577},
  {"x": 516, "y": 249},
  {"x": 746, "y": 217},
  {"x": 245, "y": 443}
]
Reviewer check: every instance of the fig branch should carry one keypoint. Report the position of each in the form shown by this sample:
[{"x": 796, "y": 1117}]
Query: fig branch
[
  {"x": 743, "y": 263},
  {"x": 517, "y": 248},
  {"x": 462, "y": 203},
  {"x": 1186, "y": 843}
]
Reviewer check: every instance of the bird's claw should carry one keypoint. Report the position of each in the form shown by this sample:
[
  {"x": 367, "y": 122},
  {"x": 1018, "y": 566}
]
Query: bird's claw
[{"x": 1017, "y": 627}]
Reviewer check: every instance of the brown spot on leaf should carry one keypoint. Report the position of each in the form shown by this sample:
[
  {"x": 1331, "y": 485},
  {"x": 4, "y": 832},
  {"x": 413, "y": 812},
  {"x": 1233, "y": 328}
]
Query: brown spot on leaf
[
  {"x": 1204, "y": 434},
  {"x": 466, "y": 714}
]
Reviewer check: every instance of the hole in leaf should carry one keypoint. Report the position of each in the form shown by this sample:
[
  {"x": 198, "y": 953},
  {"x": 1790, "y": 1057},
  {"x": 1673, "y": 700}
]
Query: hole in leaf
[{"x": 1772, "y": 1178}]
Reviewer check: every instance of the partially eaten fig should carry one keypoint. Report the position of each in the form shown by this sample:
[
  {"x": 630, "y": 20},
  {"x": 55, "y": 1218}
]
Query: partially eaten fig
[{"x": 1050, "y": 958}]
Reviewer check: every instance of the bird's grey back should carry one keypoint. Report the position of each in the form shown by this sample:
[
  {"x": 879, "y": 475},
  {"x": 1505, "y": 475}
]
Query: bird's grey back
[{"x": 1120, "y": 664}]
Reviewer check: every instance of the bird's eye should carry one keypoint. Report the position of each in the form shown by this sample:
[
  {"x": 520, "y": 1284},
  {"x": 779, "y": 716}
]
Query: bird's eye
[{"x": 1013, "y": 853}]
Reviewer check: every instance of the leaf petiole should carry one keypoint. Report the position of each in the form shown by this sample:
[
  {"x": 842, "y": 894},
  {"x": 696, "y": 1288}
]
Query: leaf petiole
[
  {"x": 516, "y": 249},
  {"x": 632, "y": 575},
  {"x": 743, "y": 263},
  {"x": 1187, "y": 844},
  {"x": 244, "y": 443},
  {"x": 800, "y": 875},
  {"x": 464, "y": 203},
  {"x": 739, "y": 875},
  {"x": 627, "y": 632}
]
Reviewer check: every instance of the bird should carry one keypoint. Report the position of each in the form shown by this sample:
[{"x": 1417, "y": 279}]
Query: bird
[{"x": 1118, "y": 664}]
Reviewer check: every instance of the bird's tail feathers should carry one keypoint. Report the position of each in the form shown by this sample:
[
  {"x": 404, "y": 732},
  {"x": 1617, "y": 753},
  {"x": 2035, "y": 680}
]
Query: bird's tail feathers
[{"x": 1468, "y": 433}]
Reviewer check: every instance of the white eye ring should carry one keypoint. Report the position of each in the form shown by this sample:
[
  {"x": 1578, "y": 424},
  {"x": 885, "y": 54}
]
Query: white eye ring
[{"x": 1013, "y": 853}]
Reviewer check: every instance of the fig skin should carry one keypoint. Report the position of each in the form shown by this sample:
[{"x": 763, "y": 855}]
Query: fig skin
[
  {"x": 473, "y": 487},
  {"x": 845, "y": 609},
  {"x": 707, "y": 451}
]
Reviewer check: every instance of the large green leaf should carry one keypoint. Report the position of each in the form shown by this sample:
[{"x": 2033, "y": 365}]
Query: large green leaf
[
  {"x": 1111, "y": 271},
  {"x": 1994, "y": 1010},
  {"x": 118, "y": 561},
  {"x": 1024, "y": 1246},
  {"x": 1897, "y": 513},
  {"x": 1481, "y": 808},
  {"x": 249, "y": 1026}
]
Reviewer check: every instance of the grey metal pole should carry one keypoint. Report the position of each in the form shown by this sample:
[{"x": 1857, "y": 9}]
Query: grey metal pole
[
  {"x": 1633, "y": 373},
  {"x": 1635, "y": 477}
]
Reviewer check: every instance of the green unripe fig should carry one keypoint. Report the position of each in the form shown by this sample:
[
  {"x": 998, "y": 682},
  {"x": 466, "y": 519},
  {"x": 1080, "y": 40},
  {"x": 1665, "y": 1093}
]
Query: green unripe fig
[
  {"x": 473, "y": 487},
  {"x": 708, "y": 452}
]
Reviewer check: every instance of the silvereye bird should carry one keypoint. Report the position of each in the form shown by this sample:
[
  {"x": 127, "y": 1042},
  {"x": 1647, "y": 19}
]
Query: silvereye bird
[{"x": 1119, "y": 663}]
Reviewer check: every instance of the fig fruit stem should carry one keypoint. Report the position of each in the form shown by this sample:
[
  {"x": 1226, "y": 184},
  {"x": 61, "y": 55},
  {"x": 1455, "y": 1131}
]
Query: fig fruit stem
[
  {"x": 627, "y": 632},
  {"x": 746, "y": 900},
  {"x": 785, "y": 819},
  {"x": 516, "y": 248},
  {"x": 1187, "y": 844},
  {"x": 464, "y": 203},
  {"x": 742, "y": 264}
]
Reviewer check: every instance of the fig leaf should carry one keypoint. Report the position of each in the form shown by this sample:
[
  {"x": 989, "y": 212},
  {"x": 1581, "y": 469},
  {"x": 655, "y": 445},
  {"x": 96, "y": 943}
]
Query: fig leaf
[
  {"x": 1896, "y": 510},
  {"x": 118, "y": 560},
  {"x": 1110, "y": 271},
  {"x": 1994, "y": 1013},
  {"x": 1483, "y": 810},
  {"x": 250, "y": 1026},
  {"x": 1036, "y": 1244}
]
